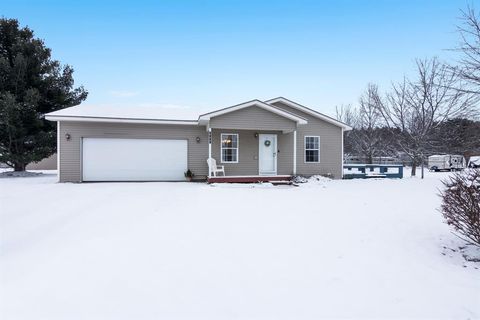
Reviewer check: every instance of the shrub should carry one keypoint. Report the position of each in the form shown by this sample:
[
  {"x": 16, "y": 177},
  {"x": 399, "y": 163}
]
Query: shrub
[{"x": 461, "y": 204}]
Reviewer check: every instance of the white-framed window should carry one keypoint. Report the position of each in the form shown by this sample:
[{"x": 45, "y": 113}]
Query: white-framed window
[
  {"x": 229, "y": 147},
  {"x": 312, "y": 149}
]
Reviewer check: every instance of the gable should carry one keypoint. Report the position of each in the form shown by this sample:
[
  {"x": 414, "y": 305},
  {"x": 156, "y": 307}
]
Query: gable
[
  {"x": 252, "y": 118},
  {"x": 297, "y": 108},
  {"x": 205, "y": 118},
  {"x": 312, "y": 120}
]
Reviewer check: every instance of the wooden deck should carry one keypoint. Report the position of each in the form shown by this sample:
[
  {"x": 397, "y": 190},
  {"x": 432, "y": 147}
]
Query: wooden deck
[
  {"x": 367, "y": 171},
  {"x": 248, "y": 179}
]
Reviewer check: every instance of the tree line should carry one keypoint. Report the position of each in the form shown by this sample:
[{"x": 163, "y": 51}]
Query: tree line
[{"x": 435, "y": 110}]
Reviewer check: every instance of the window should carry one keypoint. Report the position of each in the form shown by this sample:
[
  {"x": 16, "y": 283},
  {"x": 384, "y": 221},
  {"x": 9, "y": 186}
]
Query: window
[
  {"x": 229, "y": 147},
  {"x": 312, "y": 149}
]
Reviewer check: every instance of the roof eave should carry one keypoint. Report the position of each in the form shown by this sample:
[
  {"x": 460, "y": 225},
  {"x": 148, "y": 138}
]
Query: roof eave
[{"x": 118, "y": 120}]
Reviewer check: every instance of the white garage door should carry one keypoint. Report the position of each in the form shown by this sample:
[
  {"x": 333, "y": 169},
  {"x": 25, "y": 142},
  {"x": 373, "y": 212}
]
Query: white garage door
[{"x": 133, "y": 159}]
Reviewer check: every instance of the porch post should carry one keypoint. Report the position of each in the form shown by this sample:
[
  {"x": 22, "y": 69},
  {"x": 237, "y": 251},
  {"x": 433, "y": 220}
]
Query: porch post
[
  {"x": 209, "y": 147},
  {"x": 58, "y": 151},
  {"x": 342, "y": 157},
  {"x": 294, "y": 152}
]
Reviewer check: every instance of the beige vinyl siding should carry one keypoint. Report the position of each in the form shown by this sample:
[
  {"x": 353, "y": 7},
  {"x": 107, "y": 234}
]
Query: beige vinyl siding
[
  {"x": 248, "y": 152},
  {"x": 70, "y": 159},
  {"x": 252, "y": 118},
  {"x": 331, "y": 136},
  {"x": 49, "y": 163},
  {"x": 285, "y": 156}
]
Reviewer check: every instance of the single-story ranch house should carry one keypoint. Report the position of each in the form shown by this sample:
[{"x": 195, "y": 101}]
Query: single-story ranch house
[{"x": 277, "y": 137}]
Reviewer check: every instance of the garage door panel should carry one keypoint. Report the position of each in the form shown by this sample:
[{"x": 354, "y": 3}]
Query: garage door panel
[{"x": 106, "y": 159}]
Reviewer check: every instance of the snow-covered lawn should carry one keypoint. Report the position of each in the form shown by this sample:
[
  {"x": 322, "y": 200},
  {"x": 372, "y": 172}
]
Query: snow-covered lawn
[{"x": 355, "y": 249}]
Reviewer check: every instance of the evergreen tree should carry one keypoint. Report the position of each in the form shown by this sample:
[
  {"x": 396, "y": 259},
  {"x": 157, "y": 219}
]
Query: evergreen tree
[{"x": 31, "y": 85}]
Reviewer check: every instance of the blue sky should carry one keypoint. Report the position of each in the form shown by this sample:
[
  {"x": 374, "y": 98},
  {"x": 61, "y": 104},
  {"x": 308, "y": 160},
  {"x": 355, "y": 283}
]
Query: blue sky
[{"x": 212, "y": 54}]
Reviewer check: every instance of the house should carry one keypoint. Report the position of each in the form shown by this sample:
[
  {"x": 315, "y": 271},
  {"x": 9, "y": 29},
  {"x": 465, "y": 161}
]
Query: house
[
  {"x": 277, "y": 137},
  {"x": 49, "y": 163}
]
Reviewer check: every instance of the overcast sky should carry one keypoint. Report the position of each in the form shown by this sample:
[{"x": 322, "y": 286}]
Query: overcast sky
[{"x": 213, "y": 54}]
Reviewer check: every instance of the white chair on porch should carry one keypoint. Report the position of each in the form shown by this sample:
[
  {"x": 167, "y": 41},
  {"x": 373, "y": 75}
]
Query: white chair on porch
[{"x": 213, "y": 168}]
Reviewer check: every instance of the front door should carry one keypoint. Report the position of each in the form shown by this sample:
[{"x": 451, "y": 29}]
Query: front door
[{"x": 267, "y": 154}]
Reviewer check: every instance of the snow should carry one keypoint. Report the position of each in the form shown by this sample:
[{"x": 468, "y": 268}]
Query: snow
[
  {"x": 150, "y": 112},
  {"x": 475, "y": 160},
  {"x": 375, "y": 248}
]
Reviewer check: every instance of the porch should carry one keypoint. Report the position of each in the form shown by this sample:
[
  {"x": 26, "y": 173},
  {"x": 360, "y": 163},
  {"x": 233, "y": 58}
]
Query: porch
[
  {"x": 253, "y": 142},
  {"x": 252, "y": 155}
]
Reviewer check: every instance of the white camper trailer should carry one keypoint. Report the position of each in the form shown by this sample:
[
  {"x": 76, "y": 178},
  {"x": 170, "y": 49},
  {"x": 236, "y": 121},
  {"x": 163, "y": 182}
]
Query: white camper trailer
[
  {"x": 446, "y": 162},
  {"x": 474, "y": 162}
]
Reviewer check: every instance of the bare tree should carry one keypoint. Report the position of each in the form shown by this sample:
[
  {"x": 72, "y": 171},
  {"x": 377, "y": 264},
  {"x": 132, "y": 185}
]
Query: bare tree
[
  {"x": 416, "y": 107},
  {"x": 469, "y": 47},
  {"x": 367, "y": 138},
  {"x": 346, "y": 114}
]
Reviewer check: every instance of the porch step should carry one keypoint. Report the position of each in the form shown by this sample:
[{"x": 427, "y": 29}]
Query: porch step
[
  {"x": 284, "y": 183},
  {"x": 249, "y": 179}
]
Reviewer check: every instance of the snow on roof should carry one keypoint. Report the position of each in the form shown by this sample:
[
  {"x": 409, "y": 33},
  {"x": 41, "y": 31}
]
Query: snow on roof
[
  {"x": 144, "y": 112},
  {"x": 166, "y": 113}
]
